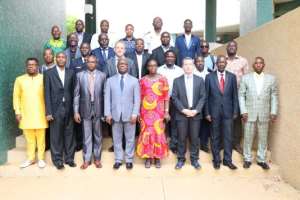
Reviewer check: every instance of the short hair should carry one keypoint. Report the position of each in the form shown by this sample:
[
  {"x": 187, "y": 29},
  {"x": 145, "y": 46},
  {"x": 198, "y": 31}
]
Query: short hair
[
  {"x": 92, "y": 56},
  {"x": 139, "y": 39},
  {"x": 219, "y": 57},
  {"x": 165, "y": 32},
  {"x": 104, "y": 20},
  {"x": 129, "y": 25},
  {"x": 120, "y": 42},
  {"x": 170, "y": 51},
  {"x": 232, "y": 41},
  {"x": 55, "y": 26},
  {"x": 48, "y": 49},
  {"x": 187, "y": 20},
  {"x": 32, "y": 59},
  {"x": 61, "y": 52},
  {"x": 102, "y": 34},
  {"x": 188, "y": 58},
  {"x": 122, "y": 59},
  {"x": 261, "y": 58},
  {"x": 85, "y": 43}
]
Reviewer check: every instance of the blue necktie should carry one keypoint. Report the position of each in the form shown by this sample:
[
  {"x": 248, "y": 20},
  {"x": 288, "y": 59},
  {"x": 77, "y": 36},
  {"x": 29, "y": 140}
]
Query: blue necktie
[
  {"x": 122, "y": 82},
  {"x": 104, "y": 55}
]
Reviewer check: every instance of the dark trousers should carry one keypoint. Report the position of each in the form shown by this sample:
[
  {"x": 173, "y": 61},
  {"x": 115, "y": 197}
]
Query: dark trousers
[
  {"x": 188, "y": 128},
  {"x": 171, "y": 127},
  {"x": 237, "y": 132},
  {"x": 78, "y": 130},
  {"x": 204, "y": 132},
  {"x": 62, "y": 137},
  {"x": 221, "y": 129},
  {"x": 47, "y": 139}
]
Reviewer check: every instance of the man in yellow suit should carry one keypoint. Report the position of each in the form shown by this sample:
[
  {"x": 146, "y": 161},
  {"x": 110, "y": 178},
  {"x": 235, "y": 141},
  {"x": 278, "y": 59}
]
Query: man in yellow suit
[{"x": 29, "y": 107}]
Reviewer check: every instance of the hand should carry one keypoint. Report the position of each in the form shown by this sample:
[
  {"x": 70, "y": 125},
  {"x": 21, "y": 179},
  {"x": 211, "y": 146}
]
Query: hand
[
  {"x": 208, "y": 118},
  {"x": 193, "y": 113},
  {"x": 273, "y": 118},
  {"x": 18, "y": 117},
  {"x": 108, "y": 120},
  {"x": 186, "y": 112},
  {"x": 235, "y": 116},
  {"x": 245, "y": 117},
  {"x": 77, "y": 118},
  {"x": 133, "y": 119},
  {"x": 167, "y": 117},
  {"x": 49, "y": 118}
]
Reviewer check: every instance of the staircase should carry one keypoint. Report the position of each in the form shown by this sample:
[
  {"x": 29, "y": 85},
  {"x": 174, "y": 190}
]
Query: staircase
[{"x": 140, "y": 183}]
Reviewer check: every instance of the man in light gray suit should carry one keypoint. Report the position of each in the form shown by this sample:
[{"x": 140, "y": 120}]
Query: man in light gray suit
[
  {"x": 258, "y": 98},
  {"x": 88, "y": 109},
  {"x": 122, "y": 104},
  {"x": 111, "y": 65}
]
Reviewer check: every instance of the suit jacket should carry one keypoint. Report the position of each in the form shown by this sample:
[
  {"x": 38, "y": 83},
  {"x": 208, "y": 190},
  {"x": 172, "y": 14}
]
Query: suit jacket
[
  {"x": 258, "y": 106},
  {"x": 78, "y": 65},
  {"x": 179, "y": 97},
  {"x": 82, "y": 96},
  {"x": 159, "y": 55},
  {"x": 124, "y": 103},
  {"x": 87, "y": 37},
  {"x": 110, "y": 68},
  {"x": 186, "y": 50},
  {"x": 145, "y": 58},
  {"x": 55, "y": 91},
  {"x": 216, "y": 102},
  {"x": 98, "y": 53},
  {"x": 68, "y": 54}
]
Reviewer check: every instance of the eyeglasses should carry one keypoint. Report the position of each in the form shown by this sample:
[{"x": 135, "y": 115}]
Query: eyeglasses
[{"x": 205, "y": 46}]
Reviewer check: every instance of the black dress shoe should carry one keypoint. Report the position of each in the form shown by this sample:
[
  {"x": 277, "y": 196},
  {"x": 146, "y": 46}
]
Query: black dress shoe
[
  {"x": 230, "y": 165},
  {"x": 71, "y": 164},
  {"x": 59, "y": 166},
  {"x": 117, "y": 165},
  {"x": 216, "y": 165},
  {"x": 204, "y": 148},
  {"x": 129, "y": 165},
  {"x": 111, "y": 149},
  {"x": 196, "y": 164},
  {"x": 247, "y": 164},
  {"x": 263, "y": 165}
]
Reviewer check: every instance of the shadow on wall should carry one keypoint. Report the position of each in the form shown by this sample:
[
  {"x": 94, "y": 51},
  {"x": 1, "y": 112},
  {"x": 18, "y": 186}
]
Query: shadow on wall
[{"x": 278, "y": 42}]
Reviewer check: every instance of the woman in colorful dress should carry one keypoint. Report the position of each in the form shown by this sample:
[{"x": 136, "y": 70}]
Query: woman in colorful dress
[{"x": 152, "y": 143}]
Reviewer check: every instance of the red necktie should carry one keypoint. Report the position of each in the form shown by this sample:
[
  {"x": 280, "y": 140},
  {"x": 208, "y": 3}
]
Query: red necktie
[{"x": 222, "y": 83}]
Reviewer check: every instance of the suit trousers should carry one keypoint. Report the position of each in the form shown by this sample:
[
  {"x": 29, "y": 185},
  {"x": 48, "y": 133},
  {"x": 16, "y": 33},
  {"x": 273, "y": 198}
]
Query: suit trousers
[
  {"x": 204, "y": 132},
  {"x": 188, "y": 128},
  {"x": 171, "y": 128},
  {"x": 35, "y": 138},
  {"x": 237, "y": 132},
  {"x": 118, "y": 130},
  {"x": 221, "y": 129},
  {"x": 92, "y": 141},
  {"x": 249, "y": 130},
  {"x": 62, "y": 137}
]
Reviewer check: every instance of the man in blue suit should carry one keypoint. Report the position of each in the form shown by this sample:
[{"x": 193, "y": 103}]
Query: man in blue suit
[
  {"x": 79, "y": 64},
  {"x": 221, "y": 108},
  {"x": 187, "y": 44},
  {"x": 104, "y": 52}
]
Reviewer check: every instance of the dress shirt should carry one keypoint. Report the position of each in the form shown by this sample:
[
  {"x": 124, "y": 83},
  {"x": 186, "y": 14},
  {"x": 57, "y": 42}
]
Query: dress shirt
[
  {"x": 219, "y": 76},
  {"x": 259, "y": 81},
  {"x": 188, "y": 39},
  {"x": 188, "y": 79},
  {"x": 80, "y": 38},
  {"x": 201, "y": 74},
  {"x": 61, "y": 74},
  {"x": 239, "y": 66},
  {"x": 170, "y": 73},
  {"x": 139, "y": 58}
]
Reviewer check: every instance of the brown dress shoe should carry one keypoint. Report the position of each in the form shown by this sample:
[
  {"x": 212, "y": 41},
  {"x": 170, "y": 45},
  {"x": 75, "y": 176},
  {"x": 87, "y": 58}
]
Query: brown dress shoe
[
  {"x": 98, "y": 164},
  {"x": 85, "y": 165}
]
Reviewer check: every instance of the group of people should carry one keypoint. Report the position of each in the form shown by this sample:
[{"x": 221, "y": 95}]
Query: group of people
[{"x": 145, "y": 88}]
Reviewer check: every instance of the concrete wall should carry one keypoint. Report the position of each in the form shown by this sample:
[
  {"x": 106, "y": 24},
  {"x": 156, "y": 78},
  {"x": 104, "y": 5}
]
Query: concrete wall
[
  {"x": 25, "y": 27},
  {"x": 278, "y": 42}
]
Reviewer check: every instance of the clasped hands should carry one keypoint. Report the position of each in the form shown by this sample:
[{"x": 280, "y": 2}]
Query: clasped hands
[{"x": 189, "y": 113}]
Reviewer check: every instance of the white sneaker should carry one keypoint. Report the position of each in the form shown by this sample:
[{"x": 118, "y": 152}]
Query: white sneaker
[
  {"x": 26, "y": 163},
  {"x": 41, "y": 164}
]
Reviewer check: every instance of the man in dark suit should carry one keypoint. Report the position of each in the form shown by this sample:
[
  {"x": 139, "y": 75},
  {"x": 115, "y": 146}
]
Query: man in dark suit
[
  {"x": 159, "y": 53},
  {"x": 104, "y": 52},
  {"x": 88, "y": 110},
  {"x": 187, "y": 44},
  {"x": 59, "y": 89},
  {"x": 82, "y": 36},
  {"x": 139, "y": 57},
  {"x": 79, "y": 64},
  {"x": 188, "y": 97},
  {"x": 73, "y": 51},
  {"x": 111, "y": 65},
  {"x": 221, "y": 108}
]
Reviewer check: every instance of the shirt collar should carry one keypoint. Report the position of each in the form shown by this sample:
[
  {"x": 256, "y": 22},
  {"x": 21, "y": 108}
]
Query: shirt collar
[
  {"x": 259, "y": 75},
  {"x": 59, "y": 70}
]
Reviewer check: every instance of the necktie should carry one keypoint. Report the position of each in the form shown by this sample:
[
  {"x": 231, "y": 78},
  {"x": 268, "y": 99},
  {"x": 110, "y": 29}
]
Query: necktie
[
  {"x": 122, "y": 82},
  {"x": 222, "y": 83},
  {"x": 91, "y": 86},
  {"x": 104, "y": 55}
]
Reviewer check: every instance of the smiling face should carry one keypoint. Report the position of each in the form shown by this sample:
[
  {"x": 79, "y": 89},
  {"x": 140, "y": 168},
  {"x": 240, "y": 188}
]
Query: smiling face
[
  {"x": 139, "y": 45},
  {"x": 199, "y": 63},
  {"x": 61, "y": 59},
  {"x": 73, "y": 40},
  {"x": 231, "y": 48},
  {"x": 221, "y": 63},
  {"x": 31, "y": 66},
  {"x": 122, "y": 66},
  {"x": 120, "y": 49},
  {"x": 55, "y": 32},
  {"x": 170, "y": 58},
  {"x": 85, "y": 49}
]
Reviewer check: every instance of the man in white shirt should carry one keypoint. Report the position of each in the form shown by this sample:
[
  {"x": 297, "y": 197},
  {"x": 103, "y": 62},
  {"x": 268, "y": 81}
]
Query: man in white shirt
[
  {"x": 171, "y": 71},
  {"x": 258, "y": 99},
  {"x": 152, "y": 38},
  {"x": 188, "y": 96},
  {"x": 104, "y": 28}
]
